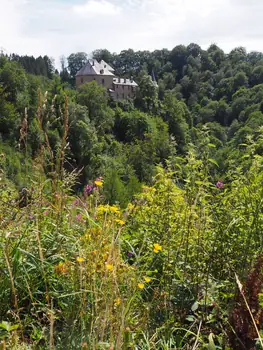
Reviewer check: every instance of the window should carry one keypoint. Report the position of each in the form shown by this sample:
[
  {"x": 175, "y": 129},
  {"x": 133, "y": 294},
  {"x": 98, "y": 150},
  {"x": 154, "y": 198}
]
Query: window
[
  {"x": 81, "y": 80},
  {"x": 123, "y": 95},
  {"x": 103, "y": 81}
]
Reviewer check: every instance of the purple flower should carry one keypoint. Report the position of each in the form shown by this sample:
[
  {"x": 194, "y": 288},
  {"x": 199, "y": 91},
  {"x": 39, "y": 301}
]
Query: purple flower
[
  {"x": 88, "y": 189},
  {"x": 220, "y": 184},
  {"x": 78, "y": 217},
  {"x": 76, "y": 202},
  {"x": 130, "y": 254},
  {"x": 45, "y": 212}
]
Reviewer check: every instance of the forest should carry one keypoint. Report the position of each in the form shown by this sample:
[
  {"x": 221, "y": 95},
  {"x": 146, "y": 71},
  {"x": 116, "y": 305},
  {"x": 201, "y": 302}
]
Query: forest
[{"x": 133, "y": 224}]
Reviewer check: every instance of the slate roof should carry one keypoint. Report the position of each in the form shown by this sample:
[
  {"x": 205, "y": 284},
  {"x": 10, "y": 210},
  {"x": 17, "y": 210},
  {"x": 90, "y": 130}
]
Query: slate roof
[
  {"x": 107, "y": 66},
  {"x": 93, "y": 67},
  {"x": 121, "y": 81}
]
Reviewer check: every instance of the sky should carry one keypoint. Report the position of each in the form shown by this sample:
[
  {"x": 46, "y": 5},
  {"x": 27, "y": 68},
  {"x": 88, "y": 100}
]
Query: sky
[{"x": 61, "y": 27}]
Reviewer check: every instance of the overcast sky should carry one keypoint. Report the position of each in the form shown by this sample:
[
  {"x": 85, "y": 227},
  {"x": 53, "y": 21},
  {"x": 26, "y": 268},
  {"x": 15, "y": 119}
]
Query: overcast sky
[{"x": 60, "y": 27}]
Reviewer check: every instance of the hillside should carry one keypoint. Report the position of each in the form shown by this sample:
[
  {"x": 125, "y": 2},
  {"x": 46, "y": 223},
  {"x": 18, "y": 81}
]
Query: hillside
[{"x": 130, "y": 224}]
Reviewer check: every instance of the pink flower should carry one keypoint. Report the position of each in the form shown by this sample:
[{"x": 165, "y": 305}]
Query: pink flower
[
  {"x": 220, "y": 184},
  {"x": 88, "y": 189},
  {"x": 45, "y": 213},
  {"x": 76, "y": 202},
  {"x": 78, "y": 217}
]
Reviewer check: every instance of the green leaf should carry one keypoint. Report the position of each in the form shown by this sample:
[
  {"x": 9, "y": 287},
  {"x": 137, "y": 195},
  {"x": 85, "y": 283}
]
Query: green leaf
[
  {"x": 199, "y": 182},
  {"x": 211, "y": 345},
  {"x": 213, "y": 161},
  {"x": 195, "y": 306},
  {"x": 8, "y": 326},
  {"x": 190, "y": 318},
  {"x": 211, "y": 145},
  {"x": 5, "y": 325}
]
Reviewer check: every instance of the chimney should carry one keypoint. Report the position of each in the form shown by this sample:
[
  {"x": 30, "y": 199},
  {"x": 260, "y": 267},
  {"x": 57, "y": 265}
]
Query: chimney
[
  {"x": 131, "y": 79},
  {"x": 119, "y": 80},
  {"x": 93, "y": 63},
  {"x": 125, "y": 80}
]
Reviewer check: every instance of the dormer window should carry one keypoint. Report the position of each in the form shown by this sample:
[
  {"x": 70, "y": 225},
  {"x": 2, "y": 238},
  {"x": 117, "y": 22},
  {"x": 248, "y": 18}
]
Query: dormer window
[{"x": 102, "y": 71}]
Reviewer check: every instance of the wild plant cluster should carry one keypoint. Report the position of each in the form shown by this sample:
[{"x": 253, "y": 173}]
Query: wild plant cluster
[{"x": 162, "y": 273}]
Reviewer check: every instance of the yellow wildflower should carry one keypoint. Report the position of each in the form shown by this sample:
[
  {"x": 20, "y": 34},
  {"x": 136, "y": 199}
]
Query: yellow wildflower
[
  {"x": 117, "y": 301},
  {"x": 121, "y": 222},
  {"x": 86, "y": 237},
  {"x": 157, "y": 248},
  {"x": 61, "y": 268},
  {"x": 147, "y": 279},
  {"x": 109, "y": 267},
  {"x": 98, "y": 183},
  {"x": 140, "y": 285},
  {"x": 80, "y": 260},
  {"x": 114, "y": 209}
]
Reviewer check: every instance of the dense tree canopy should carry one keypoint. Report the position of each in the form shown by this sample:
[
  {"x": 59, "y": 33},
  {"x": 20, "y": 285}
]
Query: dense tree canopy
[{"x": 180, "y": 91}]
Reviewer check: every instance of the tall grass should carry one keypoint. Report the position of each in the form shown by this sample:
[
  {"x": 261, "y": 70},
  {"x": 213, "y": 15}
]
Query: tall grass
[{"x": 77, "y": 273}]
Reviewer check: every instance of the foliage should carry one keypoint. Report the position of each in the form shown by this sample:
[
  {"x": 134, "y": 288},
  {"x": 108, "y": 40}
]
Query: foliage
[{"x": 124, "y": 223}]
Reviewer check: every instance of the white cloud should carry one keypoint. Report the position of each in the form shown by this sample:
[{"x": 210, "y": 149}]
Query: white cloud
[
  {"x": 96, "y": 8},
  {"x": 57, "y": 27}
]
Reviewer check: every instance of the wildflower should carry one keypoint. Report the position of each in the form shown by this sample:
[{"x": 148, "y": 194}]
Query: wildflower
[
  {"x": 130, "y": 254},
  {"x": 98, "y": 182},
  {"x": 220, "y": 184},
  {"x": 76, "y": 202},
  {"x": 121, "y": 222},
  {"x": 109, "y": 267},
  {"x": 114, "y": 209},
  {"x": 147, "y": 279},
  {"x": 157, "y": 248},
  {"x": 61, "y": 268},
  {"x": 86, "y": 237},
  {"x": 102, "y": 209},
  {"x": 140, "y": 285},
  {"x": 45, "y": 213},
  {"x": 117, "y": 301},
  {"x": 78, "y": 217},
  {"x": 80, "y": 260},
  {"x": 88, "y": 189}
]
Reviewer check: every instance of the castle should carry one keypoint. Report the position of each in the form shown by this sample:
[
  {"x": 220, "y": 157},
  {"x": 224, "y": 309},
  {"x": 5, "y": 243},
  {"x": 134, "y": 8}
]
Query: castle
[{"x": 103, "y": 74}]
